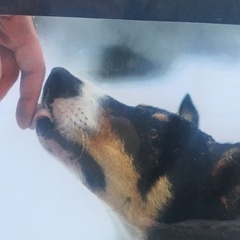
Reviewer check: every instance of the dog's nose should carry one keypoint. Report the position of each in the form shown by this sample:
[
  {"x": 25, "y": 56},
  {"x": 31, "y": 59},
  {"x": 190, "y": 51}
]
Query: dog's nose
[{"x": 61, "y": 84}]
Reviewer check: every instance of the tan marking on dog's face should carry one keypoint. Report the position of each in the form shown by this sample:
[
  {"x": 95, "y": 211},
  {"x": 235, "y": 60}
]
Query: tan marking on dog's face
[
  {"x": 122, "y": 177},
  {"x": 161, "y": 116}
]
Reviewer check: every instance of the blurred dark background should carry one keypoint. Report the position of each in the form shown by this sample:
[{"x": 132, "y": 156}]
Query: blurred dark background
[{"x": 211, "y": 11}]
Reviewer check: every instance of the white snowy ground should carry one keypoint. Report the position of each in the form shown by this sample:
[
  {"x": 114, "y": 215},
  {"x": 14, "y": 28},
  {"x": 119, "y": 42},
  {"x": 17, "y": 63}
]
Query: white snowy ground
[{"x": 39, "y": 198}]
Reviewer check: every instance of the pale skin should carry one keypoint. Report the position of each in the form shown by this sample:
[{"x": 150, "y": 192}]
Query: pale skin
[{"x": 21, "y": 52}]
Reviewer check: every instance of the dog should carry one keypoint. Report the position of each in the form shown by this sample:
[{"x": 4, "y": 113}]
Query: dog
[{"x": 149, "y": 165}]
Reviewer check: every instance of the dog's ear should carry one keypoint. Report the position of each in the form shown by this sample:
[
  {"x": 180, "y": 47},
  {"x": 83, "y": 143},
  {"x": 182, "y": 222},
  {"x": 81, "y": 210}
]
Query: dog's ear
[
  {"x": 226, "y": 181},
  {"x": 188, "y": 111}
]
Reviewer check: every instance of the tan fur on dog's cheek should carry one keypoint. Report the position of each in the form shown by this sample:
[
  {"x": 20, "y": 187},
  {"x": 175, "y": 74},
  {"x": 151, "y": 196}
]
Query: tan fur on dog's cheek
[{"x": 122, "y": 178}]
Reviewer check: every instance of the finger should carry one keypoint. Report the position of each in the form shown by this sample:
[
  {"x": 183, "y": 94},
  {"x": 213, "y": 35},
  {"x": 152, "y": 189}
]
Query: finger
[
  {"x": 31, "y": 63},
  {"x": 18, "y": 34},
  {"x": 9, "y": 71}
]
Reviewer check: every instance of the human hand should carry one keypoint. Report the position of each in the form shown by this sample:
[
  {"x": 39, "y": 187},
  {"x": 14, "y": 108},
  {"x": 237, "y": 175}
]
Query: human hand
[{"x": 20, "y": 51}]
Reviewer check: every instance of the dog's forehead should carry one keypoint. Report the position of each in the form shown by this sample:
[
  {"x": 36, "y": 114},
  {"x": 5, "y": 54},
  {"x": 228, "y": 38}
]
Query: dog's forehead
[{"x": 151, "y": 110}]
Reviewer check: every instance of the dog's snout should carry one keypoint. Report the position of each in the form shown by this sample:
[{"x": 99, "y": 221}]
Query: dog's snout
[{"x": 62, "y": 84}]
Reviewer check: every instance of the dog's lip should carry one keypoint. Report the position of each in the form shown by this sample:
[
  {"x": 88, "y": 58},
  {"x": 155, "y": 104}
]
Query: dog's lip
[{"x": 40, "y": 112}]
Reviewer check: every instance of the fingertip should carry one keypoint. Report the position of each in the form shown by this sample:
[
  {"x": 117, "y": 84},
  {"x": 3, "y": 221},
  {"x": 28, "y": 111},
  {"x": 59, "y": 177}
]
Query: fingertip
[
  {"x": 24, "y": 113},
  {"x": 21, "y": 121}
]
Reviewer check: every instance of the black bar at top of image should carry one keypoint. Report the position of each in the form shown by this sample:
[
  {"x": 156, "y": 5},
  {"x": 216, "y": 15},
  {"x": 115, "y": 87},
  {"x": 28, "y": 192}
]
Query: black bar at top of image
[{"x": 208, "y": 11}]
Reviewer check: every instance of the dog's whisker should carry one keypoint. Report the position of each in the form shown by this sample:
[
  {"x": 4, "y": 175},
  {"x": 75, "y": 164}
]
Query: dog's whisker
[
  {"x": 87, "y": 140},
  {"x": 127, "y": 201},
  {"x": 83, "y": 144}
]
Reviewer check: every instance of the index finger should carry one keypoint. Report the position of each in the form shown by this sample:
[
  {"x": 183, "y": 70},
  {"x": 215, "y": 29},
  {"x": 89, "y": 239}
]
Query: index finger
[
  {"x": 18, "y": 34},
  {"x": 31, "y": 63}
]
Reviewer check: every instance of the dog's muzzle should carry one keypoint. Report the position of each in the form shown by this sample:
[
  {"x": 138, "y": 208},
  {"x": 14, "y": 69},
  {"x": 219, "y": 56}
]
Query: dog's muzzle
[{"x": 59, "y": 84}]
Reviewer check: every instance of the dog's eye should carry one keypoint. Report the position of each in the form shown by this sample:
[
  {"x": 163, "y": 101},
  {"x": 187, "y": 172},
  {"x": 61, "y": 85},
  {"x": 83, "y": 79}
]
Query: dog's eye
[{"x": 153, "y": 133}]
